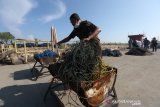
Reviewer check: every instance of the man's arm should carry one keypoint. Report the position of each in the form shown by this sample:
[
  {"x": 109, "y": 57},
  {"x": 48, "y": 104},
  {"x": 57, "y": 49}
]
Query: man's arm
[
  {"x": 72, "y": 35},
  {"x": 93, "y": 35},
  {"x": 64, "y": 40}
]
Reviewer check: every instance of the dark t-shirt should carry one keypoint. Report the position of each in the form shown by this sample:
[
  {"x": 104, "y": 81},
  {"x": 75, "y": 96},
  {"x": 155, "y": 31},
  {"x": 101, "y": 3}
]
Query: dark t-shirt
[
  {"x": 154, "y": 42},
  {"x": 84, "y": 30}
]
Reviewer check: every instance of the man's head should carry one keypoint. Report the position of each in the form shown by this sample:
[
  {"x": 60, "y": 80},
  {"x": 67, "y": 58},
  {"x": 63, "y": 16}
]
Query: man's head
[{"x": 75, "y": 19}]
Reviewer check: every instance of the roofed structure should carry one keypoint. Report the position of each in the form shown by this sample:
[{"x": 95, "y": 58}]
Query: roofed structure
[{"x": 138, "y": 37}]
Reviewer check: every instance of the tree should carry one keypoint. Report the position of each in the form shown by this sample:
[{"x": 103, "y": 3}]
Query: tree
[{"x": 6, "y": 37}]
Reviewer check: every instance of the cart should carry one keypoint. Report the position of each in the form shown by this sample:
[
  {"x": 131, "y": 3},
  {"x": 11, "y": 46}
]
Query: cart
[
  {"x": 41, "y": 64},
  {"x": 92, "y": 94}
]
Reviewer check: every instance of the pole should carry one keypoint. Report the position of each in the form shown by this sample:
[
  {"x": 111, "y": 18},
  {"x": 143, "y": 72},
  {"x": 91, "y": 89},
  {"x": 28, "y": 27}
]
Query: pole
[
  {"x": 55, "y": 41},
  {"x": 25, "y": 51},
  {"x": 15, "y": 46},
  {"x": 52, "y": 45}
]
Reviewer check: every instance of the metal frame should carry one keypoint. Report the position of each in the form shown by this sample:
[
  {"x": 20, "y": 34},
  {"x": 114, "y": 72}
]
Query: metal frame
[
  {"x": 36, "y": 65},
  {"x": 52, "y": 85}
]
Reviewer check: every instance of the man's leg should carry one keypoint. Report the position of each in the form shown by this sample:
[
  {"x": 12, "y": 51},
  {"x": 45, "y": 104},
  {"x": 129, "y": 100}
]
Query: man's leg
[{"x": 155, "y": 48}]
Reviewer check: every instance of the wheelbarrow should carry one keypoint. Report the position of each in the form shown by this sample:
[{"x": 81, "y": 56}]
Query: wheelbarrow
[{"x": 92, "y": 93}]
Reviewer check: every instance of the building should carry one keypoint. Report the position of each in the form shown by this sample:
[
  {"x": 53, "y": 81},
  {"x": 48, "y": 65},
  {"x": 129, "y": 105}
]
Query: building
[{"x": 136, "y": 37}]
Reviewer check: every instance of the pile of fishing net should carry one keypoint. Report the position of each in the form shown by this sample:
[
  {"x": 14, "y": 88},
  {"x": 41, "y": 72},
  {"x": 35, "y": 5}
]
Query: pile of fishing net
[
  {"x": 83, "y": 69},
  {"x": 82, "y": 62},
  {"x": 138, "y": 51}
]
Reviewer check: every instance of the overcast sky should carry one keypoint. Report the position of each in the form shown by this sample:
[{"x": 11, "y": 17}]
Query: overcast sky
[{"x": 117, "y": 19}]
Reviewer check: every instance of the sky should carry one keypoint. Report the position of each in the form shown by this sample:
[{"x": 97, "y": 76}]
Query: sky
[{"x": 30, "y": 19}]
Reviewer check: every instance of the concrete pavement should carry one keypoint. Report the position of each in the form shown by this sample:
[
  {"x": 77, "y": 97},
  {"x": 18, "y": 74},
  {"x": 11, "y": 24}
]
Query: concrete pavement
[{"x": 137, "y": 83}]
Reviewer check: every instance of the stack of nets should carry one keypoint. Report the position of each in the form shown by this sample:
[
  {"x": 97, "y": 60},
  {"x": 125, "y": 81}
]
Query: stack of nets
[
  {"x": 138, "y": 51},
  {"x": 83, "y": 62}
]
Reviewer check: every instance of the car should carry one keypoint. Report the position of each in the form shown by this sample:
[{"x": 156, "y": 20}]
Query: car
[
  {"x": 30, "y": 45},
  {"x": 1, "y": 42},
  {"x": 20, "y": 45},
  {"x": 43, "y": 45},
  {"x": 158, "y": 44}
]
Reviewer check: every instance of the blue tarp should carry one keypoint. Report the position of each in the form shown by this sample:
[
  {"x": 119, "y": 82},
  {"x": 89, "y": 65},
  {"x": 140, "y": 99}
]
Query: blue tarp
[{"x": 46, "y": 54}]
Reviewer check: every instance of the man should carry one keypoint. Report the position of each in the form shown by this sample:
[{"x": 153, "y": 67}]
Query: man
[
  {"x": 84, "y": 30},
  {"x": 146, "y": 43},
  {"x": 154, "y": 44},
  {"x": 84, "y": 58},
  {"x": 134, "y": 44},
  {"x": 130, "y": 43}
]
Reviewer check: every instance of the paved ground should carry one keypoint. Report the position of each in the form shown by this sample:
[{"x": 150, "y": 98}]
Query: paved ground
[
  {"x": 137, "y": 83},
  {"x": 138, "y": 80}
]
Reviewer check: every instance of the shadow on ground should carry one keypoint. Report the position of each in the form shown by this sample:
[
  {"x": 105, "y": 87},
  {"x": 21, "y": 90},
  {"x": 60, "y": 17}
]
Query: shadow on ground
[
  {"x": 27, "y": 96},
  {"x": 27, "y": 74},
  {"x": 30, "y": 95}
]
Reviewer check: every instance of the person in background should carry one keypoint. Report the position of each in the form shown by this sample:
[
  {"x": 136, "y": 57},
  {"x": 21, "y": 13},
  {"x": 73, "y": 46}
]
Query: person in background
[
  {"x": 134, "y": 44},
  {"x": 130, "y": 43},
  {"x": 146, "y": 43},
  {"x": 154, "y": 44}
]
